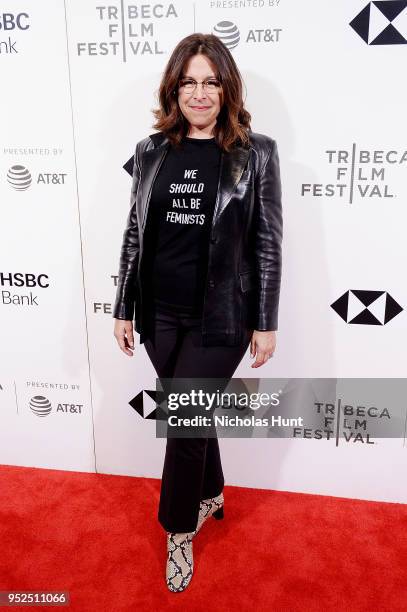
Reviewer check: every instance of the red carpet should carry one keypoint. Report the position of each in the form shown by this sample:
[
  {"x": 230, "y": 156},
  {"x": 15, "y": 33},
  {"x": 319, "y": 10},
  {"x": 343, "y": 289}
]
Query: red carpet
[{"x": 97, "y": 537}]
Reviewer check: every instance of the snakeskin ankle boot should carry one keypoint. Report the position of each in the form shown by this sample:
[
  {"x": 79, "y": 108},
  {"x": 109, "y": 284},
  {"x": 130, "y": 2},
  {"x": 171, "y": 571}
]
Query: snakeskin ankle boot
[
  {"x": 180, "y": 562},
  {"x": 208, "y": 507}
]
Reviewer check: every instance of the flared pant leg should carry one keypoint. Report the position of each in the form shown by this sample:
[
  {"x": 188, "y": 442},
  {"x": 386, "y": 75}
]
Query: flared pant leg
[{"x": 192, "y": 468}]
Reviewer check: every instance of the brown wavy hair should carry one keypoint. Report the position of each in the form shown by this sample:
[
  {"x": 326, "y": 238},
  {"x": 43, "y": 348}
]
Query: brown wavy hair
[{"x": 233, "y": 121}]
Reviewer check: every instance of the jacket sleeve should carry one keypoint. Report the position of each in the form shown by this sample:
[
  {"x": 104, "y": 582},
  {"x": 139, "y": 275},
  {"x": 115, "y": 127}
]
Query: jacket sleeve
[
  {"x": 126, "y": 287},
  {"x": 268, "y": 222}
]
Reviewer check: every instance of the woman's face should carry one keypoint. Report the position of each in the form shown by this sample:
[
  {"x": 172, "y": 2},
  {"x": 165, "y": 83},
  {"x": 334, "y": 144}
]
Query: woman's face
[{"x": 199, "y": 107}]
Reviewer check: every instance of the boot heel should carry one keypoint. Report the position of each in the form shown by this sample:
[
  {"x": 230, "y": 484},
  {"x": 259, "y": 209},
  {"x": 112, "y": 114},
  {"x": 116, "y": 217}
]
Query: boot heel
[{"x": 218, "y": 514}]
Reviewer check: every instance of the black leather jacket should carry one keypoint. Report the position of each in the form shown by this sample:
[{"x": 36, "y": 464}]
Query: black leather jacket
[{"x": 244, "y": 262}]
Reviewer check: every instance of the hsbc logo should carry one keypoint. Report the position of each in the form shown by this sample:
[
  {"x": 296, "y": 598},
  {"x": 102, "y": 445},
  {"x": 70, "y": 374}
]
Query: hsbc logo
[
  {"x": 146, "y": 404},
  {"x": 11, "y": 23},
  {"x": 382, "y": 23},
  {"x": 363, "y": 307}
]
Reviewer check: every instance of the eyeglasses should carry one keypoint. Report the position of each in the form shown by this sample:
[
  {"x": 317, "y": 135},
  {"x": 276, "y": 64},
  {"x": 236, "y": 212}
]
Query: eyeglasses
[{"x": 189, "y": 85}]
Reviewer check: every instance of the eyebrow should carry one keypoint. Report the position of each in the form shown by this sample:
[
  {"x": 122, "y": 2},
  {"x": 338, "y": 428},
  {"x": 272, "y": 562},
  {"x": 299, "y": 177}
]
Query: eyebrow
[{"x": 210, "y": 76}]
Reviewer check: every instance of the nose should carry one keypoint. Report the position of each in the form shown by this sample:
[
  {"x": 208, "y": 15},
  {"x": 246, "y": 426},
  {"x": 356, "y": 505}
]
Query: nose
[{"x": 202, "y": 91}]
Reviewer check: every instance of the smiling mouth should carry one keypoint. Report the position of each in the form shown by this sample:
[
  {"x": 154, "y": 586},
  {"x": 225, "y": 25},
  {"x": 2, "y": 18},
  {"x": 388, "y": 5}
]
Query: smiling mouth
[{"x": 199, "y": 107}]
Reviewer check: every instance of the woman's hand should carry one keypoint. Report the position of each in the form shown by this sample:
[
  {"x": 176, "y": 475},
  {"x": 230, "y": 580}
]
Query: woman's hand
[
  {"x": 123, "y": 332},
  {"x": 263, "y": 343}
]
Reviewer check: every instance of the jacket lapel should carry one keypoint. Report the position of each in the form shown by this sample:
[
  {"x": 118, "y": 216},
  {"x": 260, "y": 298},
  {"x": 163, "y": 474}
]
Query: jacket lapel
[
  {"x": 232, "y": 165},
  {"x": 151, "y": 162},
  {"x": 231, "y": 169}
]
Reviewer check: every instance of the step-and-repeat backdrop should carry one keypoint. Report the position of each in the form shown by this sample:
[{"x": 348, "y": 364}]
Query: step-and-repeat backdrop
[{"x": 79, "y": 80}]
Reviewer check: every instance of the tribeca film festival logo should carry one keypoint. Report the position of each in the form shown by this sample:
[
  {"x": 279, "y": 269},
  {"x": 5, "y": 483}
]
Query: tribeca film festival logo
[
  {"x": 31, "y": 285},
  {"x": 382, "y": 23},
  {"x": 363, "y": 307},
  {"x": 10, "y": 24},
  {"x": 42, "y": 407},
  {"x": 130, "y": 30},
  {"x": 357, "y": 172},
  {"x": 352, "y": 422}
]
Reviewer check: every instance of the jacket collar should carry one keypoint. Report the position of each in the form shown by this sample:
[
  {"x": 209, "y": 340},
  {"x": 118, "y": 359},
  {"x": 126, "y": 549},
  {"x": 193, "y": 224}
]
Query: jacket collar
[{"x": 232, "y": 165}]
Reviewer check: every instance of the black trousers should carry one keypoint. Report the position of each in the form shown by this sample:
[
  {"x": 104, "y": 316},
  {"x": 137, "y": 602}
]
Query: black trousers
[{"x": 192, "y": 466}]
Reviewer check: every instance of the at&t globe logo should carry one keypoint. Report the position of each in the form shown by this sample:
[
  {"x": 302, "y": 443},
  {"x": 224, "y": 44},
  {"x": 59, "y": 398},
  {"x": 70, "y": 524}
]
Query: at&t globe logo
[{"x": 19, "y": 177}]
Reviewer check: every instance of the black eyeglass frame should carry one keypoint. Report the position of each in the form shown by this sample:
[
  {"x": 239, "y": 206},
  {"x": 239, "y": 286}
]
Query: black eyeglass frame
[{"x": 180, "y": 83}]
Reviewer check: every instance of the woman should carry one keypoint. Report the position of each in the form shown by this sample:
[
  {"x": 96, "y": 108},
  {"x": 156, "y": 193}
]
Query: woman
[{"x": 200, "y": 263}]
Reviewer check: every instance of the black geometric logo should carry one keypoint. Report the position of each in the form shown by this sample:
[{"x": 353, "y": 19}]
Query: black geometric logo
[
  {"x": 147, "y": 409},
  {"x": 362, "y": 307},
  {"x": 128, "y": 166},
  {"x": 382, "y": 23}
]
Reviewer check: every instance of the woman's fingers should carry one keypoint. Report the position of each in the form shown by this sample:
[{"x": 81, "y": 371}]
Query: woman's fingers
[
  {"x": 122, "y": 340},
  {"x": 123, "y": 332},
  {"x": 261, "y": 358},
  {"x": 252, "y": 347},
  {"x": 262, "y": 355},
  {"x": 130, "y": 337}
]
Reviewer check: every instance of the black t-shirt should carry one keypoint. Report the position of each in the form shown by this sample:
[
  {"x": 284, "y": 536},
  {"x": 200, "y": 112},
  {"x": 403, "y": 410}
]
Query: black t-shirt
[{"x": 178, "y": 225}]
